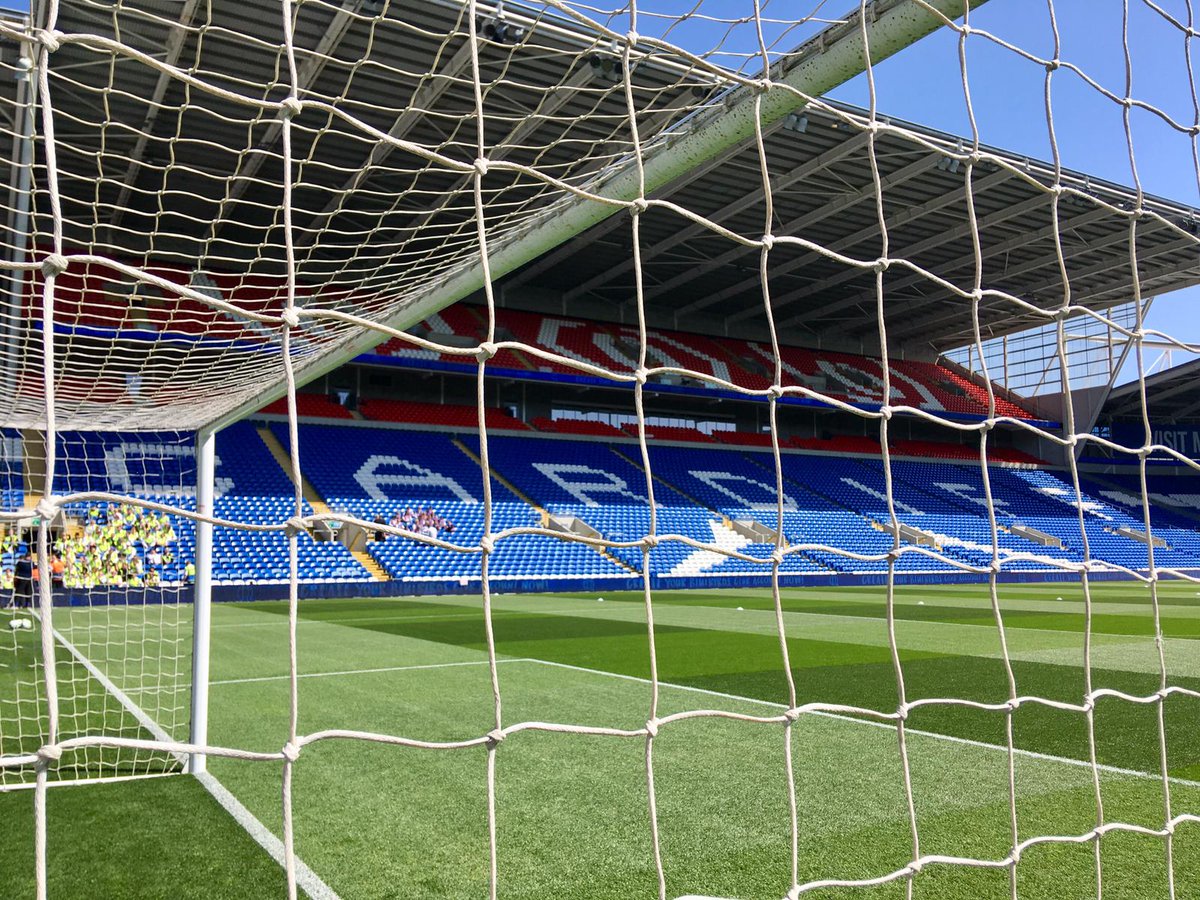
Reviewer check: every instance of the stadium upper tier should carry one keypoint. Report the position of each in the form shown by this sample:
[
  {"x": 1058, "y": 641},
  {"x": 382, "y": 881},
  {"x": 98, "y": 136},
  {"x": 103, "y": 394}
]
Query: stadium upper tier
[
  {"x": 709, "y": 501},
  {"x": 721, "y": 364}
]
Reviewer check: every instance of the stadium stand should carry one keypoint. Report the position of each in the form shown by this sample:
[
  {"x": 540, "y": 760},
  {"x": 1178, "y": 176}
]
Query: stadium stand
[
  {"x": 852, "y": 379},
  {"x": 716, "y": 492},
  {"x": 465, "y": 417},
  {"x": 370, "y": 472},
  {"x": 577, "y": 426},
  {"x": 313, "y": 406},
  {"x": 251, "y": 487},
  {"x": 669, "y": 433}
]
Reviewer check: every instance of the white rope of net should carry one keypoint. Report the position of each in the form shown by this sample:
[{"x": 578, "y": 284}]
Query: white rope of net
[{"x": 479, "y": 236}]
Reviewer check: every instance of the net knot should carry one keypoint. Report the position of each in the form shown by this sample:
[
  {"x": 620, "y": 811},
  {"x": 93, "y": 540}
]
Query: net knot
[
  {"x": 881, "y": 265},
  {"x": 481, "y": 166},
  {"x": 775, "y": 391},
  {"x": 652, "y": 728},
  {"x": 885, "y": 412},
  {"x": 51, "y": 40},
  {"x": 1053, "y": 65},
  {"x": 295, "y": 525},
  {"x": 290, "y": 318},
  {"x": 290, "y": 751},
  {"x": 47, "y": 508},
  {"x": 495, "y": 737},
  {"x": 49, "y": 753},
  {"x": 291, "y": 107},
  {"x": 641, "y": 375},
  {"x": 777, "y": 557},
  {"x": 768, "y": 241},
  {"x": 486, "y": 351},
  {"x": 637, "y": 206},
  {"x": 792, "y": 715},
  {"x": 54, "y": 264},
  {"x": 632, "y": 39},
  {"x": 487, "y": 543},
  {"x": 650, "y": 540}
]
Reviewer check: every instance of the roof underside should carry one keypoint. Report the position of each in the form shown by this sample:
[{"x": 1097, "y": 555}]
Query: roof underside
[
  {"x": 824, "y": 192},
  {"x": 1171, "y": 396},
  {"x": 184, "y": 176}
]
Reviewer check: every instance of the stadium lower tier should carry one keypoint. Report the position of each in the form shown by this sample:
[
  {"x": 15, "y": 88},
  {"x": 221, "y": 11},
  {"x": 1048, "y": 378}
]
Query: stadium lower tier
[{"x": 561, "y": 509}]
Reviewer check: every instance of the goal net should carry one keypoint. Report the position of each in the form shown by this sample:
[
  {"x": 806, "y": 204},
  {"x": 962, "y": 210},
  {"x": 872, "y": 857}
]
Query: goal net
[{"x": 213, "y": 204}]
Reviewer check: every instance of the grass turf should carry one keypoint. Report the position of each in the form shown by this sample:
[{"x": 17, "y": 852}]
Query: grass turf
[{"x": 383, "y": 821}]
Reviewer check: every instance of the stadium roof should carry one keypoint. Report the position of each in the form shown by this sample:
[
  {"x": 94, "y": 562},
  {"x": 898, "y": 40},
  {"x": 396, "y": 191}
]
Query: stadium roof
[
  {"x": 187, "y": 171},
  {"x": 824, "y": 191},
  {"x": 1172, "y": 396}
]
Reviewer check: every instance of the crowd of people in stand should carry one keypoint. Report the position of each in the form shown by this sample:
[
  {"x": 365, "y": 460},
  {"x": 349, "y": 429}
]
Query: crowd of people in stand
[
  {"x": 121, "y": 546},
  {"x": 425, "y": 522}
]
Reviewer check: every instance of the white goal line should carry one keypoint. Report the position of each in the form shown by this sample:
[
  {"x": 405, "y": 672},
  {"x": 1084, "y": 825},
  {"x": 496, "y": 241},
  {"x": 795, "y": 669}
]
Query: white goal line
[{"x": 306, "y": 879}]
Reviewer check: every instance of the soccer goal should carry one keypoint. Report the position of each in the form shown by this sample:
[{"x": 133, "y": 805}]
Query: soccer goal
[{"x": 212, "y": 205}]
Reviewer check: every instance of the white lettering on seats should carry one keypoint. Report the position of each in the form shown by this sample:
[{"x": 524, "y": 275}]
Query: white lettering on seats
[
  {"x": 715, "y": 480},
  {"x": 372, "y": 480},
  {"x": 583, "y": 490},
  {"x": 881, "y": 496},
  {"x": 967, "y": 492}
]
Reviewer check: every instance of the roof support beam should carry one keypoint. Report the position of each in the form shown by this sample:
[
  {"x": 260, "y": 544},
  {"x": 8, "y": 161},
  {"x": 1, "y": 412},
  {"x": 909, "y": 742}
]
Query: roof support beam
[
  {"x": 1133, "y": 403},
  {"x": 306, "y": 76},
  {"x": 899, "y": 220},
  {"x": 569, "y": 249},
  {"x": 552, "y": 102},
  {"x": 176, "y": 39},
  {"x": 1077, "y": 297},
  {"x": 1188, "y": 411},
  {"x": 691, "y": 229},
  {"x": 820, "y": 214},
  {"x": 840, "y": 246},
  {"x": 1021, "y": 240},
  {"x": 834, "y": 56},
  {"x": 432, "y": 86}
]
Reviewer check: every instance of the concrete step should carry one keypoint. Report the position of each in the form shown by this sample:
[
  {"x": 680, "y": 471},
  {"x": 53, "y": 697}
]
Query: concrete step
[
  {"x": 367, "y": 561},
  {"x": 280, "y": 454}
]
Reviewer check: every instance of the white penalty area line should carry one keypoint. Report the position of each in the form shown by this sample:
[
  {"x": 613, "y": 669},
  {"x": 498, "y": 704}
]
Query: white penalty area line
[
  {"x": 374, "y": 671},
  {"x": 887, "y": 726},
  {"x": 966, "y": 742}
]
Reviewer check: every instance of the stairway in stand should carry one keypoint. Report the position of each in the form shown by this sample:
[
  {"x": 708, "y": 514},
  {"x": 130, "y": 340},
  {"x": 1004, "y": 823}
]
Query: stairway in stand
[{"x": 367, "y": 561}]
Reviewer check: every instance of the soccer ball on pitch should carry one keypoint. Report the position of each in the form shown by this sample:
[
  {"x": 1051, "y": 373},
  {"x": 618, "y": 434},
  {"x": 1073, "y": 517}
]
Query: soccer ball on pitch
[{"x": 19, "y": 624}]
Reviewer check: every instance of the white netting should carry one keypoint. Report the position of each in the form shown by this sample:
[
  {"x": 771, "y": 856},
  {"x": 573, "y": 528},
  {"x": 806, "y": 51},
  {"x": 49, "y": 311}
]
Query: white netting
[
  {"x": 280, "y": 187},
  {"x": 120, "y": 572}
]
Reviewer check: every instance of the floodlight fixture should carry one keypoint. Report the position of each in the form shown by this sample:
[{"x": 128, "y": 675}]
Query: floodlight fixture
[
  {"x": 796, "y": 122},
  {"x": 605, "y": 66},
  {"x": 948, "y": 164}
]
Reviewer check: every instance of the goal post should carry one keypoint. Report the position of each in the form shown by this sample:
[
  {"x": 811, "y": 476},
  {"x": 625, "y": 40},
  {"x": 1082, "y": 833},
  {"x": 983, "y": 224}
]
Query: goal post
[{"x": 206, "y": 453}]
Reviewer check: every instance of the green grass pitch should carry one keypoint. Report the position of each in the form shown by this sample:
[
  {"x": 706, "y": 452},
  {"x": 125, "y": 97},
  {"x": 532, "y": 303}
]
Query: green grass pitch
[{"x": 383, "y": 821}]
